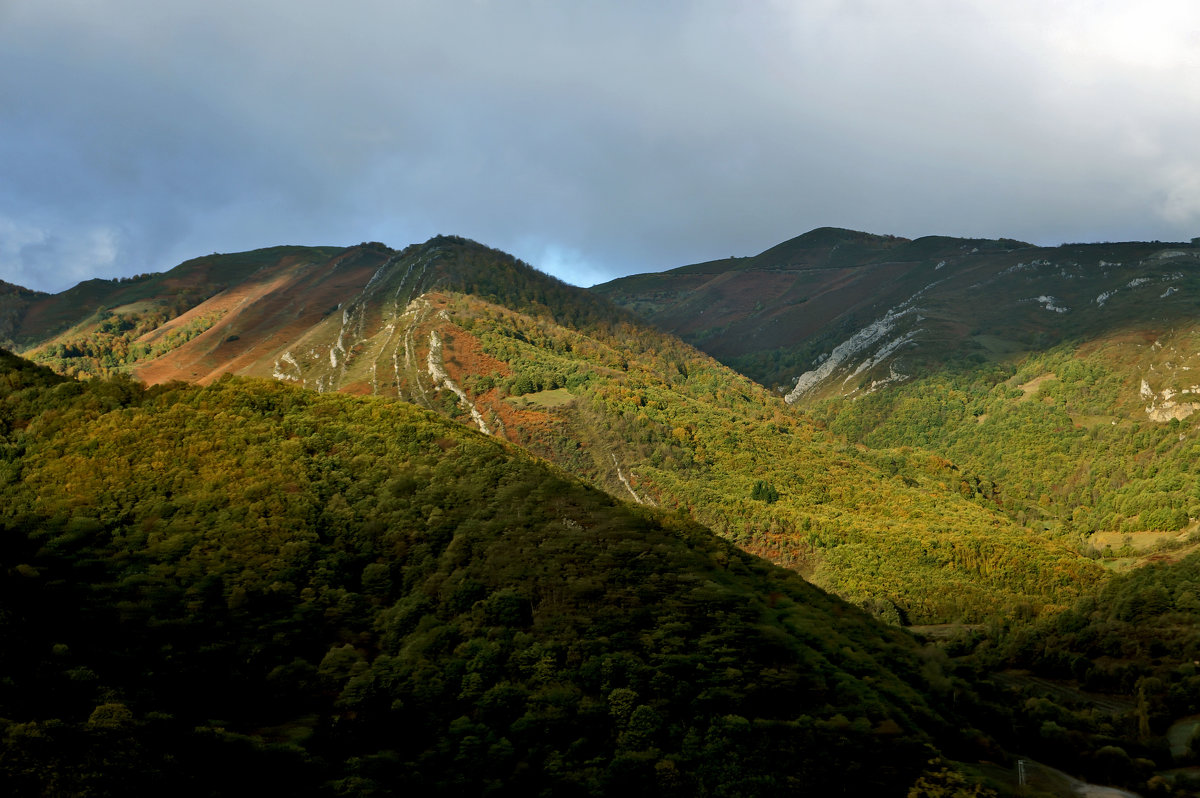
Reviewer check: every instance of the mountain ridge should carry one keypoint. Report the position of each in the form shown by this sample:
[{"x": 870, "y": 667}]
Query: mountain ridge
[{"x": 777, "y": 324}]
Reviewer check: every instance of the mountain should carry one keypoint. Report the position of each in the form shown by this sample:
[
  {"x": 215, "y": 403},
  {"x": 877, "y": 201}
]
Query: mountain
[
  {"x": 332, "y": 595},
  {"x": 476, "y": 335},
  {"x": 840, "y": 313}
]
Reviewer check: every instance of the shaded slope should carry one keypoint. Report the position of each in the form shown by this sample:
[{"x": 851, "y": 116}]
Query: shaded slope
[
  {"x": 819, "y": 318},
  {"x": 743, "y": 310},
  {"x": 330, "y": 594},
  {"x": 14, "y": 302},
  {"x": 1109, "y": 689}
]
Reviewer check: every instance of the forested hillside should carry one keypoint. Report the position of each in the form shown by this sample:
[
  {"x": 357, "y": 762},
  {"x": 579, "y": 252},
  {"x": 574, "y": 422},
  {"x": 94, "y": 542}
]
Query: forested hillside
[
  {"x": 1082, "y": 450},
  {"x": 1060, "y": 378},
  {"x": 249, "y": 587},
  {"x": 1109, "y": 689}
]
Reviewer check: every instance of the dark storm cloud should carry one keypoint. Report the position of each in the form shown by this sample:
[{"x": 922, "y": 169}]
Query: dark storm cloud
[{"x": 592, "y": 139}]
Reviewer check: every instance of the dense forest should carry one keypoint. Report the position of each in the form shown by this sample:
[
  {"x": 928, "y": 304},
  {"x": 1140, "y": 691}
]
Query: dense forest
[
  {"x": 1108, "y": 689},
  {"x": 332, "y": 595}
]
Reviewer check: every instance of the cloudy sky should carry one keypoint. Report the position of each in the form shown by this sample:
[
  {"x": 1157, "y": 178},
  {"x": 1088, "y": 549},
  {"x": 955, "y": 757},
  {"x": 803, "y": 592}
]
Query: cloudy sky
[{"x": 593, "y": 139}]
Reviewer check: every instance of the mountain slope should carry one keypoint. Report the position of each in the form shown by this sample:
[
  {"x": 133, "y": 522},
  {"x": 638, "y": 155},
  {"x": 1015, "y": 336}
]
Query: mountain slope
[
  {"x": 323, "y": 316},
  {"x": 187, "y": 322},
  {"x": 332, "y": 595},
  {"x": 1095, "y": 441},
  {"x": 1052, "y": 446}
]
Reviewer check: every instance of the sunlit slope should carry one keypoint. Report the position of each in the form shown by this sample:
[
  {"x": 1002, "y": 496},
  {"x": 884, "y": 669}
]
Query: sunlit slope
[
  {"x": 327, "y": 318},
  {"x": 205, "y": 317},
  {"x": 1094, "y": 441},
  {"x": 652, "y": 420},
  {"x": 332, "y": 593}
]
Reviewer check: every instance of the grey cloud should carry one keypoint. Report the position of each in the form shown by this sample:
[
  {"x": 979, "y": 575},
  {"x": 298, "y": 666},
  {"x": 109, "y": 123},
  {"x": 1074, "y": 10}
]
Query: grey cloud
[{"x": 590, "y": 139}]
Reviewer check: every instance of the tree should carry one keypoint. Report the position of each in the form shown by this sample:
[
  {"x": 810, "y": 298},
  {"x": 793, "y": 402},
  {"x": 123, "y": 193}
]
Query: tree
[{"x": 764, "y": 492}]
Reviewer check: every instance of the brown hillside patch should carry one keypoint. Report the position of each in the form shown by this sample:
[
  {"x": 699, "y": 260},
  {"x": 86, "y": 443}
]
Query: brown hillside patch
[
  {"x": 42, "y": 315},
  {"x": 520, "y": 424},
  {"x": 280, "y": 319},
  {"x": 60, "y": 313},
  {"x": 858, "y": 284},
  {"x": 189, "y": 361},
  {"x": 1173, "y": 556},
  {"x": 794, "y": 305},
  {"x": 956, "y": 330},
  {"x": 724, "y": 299},
  {"x": 222, "y": 303},
  {"x": 260, "y": 319},
  {"x": 463, "y": 355}
]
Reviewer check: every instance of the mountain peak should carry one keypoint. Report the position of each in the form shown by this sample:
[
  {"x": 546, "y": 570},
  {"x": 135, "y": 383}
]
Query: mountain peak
[
  {"x": 836, "y": 235},
  {"x": 824, "y": 247}
]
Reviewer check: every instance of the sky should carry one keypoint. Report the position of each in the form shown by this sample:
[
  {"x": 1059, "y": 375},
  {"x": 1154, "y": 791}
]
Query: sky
[{"x": 590, "y": 138}]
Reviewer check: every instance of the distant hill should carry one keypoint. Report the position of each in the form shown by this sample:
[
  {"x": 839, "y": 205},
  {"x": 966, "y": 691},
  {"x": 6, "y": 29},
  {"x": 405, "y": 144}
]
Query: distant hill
[{"x": 840, "y": 313}]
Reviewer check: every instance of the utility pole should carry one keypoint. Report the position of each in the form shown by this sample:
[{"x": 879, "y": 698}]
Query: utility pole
[{"x": 1021, "y": 774}]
